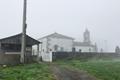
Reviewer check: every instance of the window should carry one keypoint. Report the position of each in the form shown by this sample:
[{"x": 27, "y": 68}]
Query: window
[
  {"x": 12, "y": 48},
  {"x": 89, "y": 49},
  {"x": 73, "y": 50},
  {"x": 56, "y": 47},
  {"x": 80, "y": 50},
  {"x": 62, "y": 49}
]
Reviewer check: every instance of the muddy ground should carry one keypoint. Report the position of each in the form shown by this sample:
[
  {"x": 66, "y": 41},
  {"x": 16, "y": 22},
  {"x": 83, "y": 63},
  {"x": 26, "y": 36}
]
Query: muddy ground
[{"x": 61, "y": 73}]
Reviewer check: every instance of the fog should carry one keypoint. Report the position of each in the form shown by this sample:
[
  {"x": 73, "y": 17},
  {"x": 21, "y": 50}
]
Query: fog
[{"x": 68, "y": 17}]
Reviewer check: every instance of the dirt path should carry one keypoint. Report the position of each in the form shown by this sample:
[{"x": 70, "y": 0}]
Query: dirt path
[{"x": 61, "y": 73}]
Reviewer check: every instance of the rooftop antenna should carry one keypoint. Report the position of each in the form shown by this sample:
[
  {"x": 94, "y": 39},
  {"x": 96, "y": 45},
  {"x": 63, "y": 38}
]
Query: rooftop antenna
[{"x": 23, "y": 46}]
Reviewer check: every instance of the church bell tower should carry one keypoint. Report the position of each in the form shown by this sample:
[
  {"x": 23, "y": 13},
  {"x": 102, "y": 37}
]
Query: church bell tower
[{"x": 87, "y": 36}]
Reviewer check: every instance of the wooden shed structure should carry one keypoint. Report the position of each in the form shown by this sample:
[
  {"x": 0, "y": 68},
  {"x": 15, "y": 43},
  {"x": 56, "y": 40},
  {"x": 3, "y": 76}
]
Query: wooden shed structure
[{"x": 10, "y": 49}]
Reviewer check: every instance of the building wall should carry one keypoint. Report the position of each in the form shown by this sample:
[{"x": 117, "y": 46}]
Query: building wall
[
  {"x": 43, "y": 47},
  {"x": 63, "y": 44},
  {"x": 85, "y": 49},
  {"x": 48, "y": 44},
  {"x": 67, "y": 45}
]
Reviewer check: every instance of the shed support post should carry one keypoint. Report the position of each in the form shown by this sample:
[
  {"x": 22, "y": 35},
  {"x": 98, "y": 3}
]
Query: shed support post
[
  {"x": 0, "y": 47},
  {"x": 38, "y": 56}
]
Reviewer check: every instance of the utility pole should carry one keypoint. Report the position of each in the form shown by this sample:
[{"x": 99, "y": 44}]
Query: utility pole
[{"x": 23, "y": 40}]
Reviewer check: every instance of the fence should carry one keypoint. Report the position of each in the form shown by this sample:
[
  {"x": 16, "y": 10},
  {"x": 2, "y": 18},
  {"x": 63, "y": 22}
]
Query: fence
[{"x": 83, "y": 55}]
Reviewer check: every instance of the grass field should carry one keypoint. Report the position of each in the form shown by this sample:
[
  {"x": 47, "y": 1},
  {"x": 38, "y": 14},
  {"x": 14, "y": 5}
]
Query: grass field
[
  {"x": 103, "y": 70},
  {"x": 26, "y": 72}
]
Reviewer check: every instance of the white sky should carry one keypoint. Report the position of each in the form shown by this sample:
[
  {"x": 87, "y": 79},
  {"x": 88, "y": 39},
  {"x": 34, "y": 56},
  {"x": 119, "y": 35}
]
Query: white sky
[{"x": 68, "y": 17}]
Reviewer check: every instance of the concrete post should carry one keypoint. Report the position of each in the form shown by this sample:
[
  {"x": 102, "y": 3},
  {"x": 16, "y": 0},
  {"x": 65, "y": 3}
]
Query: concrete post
[
  {"x": 23, "y": 46},
  {"x": 38, "y": 56},
  {"x": 0, "y": 47}
]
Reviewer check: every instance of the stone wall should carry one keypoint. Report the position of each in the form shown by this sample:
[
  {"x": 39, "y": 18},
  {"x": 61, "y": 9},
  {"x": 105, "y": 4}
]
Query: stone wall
[
  {"x": 9, "y": 59},
  {"x": 14, "y": 59}
]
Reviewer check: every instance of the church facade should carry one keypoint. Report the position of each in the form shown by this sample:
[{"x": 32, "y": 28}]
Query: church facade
[
  {"x": 56, "y": 42},
  {"x": 60, "y": 43},
  {"x": 86, "y": 45}
]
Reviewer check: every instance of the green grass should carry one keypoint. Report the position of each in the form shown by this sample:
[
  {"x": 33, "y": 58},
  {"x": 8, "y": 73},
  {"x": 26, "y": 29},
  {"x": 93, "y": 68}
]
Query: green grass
[
  {"x": 103, "y": 70},
  {"x": 26, "y": 72}
]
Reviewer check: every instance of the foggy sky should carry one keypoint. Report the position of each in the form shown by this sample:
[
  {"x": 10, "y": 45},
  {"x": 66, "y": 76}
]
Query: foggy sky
[{"x": 68, "y": 17}]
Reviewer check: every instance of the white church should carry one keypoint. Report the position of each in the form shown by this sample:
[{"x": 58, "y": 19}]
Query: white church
[{"x": 61, "y": 43}]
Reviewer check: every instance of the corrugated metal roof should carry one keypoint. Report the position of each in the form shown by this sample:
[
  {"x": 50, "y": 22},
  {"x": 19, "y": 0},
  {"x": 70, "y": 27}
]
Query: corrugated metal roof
[{"x": 16, "y": 39}]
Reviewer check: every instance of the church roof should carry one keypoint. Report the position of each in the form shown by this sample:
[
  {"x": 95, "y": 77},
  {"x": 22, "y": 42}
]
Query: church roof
[
  {"x": 83, "y": 44},
  {"x": 16, "y": 39},
  {"x": 57, "y": 35}
]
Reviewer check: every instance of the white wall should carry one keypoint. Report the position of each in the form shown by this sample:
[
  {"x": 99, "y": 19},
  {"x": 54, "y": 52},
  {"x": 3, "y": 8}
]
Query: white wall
[
  {"x": 47, "y": 57},
  {"x": 85, "y": 49},
  {"x": 50, "y": 42},
  {"x": 66, "y": 44},
  {"x": 43, "y": 46}
]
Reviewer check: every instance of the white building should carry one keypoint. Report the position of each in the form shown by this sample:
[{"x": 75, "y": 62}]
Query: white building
[
  {"x": 86, "y": 45},
  {"x": 57, "y": 43}
]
